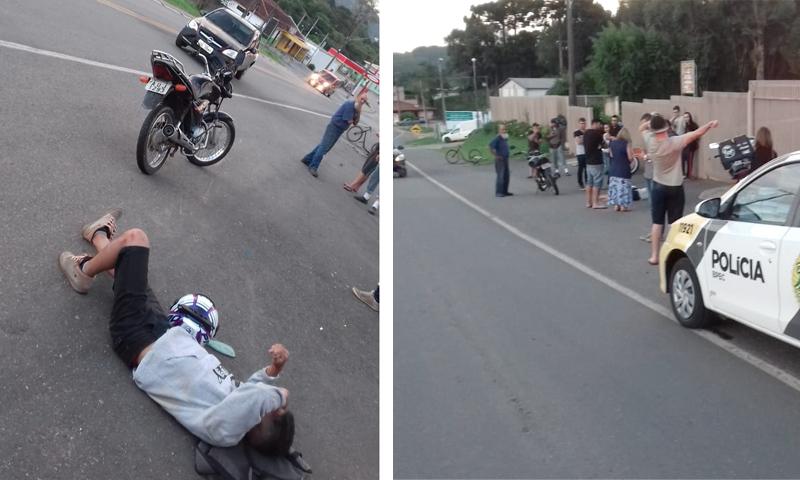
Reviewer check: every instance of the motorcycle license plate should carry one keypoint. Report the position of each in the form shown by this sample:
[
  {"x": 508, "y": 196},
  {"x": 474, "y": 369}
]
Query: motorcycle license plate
[
  {"x": 157, "y": 86},
  {"x": 546, "y": 166},
  {"x": 206, "y": 47}
]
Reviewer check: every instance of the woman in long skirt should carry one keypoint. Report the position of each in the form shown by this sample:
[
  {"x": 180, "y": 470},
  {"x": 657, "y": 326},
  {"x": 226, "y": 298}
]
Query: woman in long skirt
[{"x": 620, "y": 192}]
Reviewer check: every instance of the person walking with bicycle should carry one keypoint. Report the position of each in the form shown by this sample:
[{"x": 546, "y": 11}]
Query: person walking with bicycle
[
  {"x": 345, "y": 116},
  {"x": 500, "y": 150}
]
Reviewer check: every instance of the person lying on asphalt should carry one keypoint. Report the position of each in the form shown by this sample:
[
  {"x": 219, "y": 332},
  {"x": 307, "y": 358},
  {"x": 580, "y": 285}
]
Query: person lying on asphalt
[{"x": 165, "y": 350}]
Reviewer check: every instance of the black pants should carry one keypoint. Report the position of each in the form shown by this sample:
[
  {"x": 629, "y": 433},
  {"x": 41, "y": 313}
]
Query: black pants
[
  {"x": 581, "y": 170},
  {"x": 666, "y": 201},
  {"x": 503, "y": 175},
  {"x": 137, "y": 319}
]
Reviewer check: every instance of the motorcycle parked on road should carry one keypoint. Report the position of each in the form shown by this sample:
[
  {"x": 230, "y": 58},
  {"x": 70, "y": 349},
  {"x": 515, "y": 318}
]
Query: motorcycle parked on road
[
  {"x": 399, "y": 162},
  {"x": 185, "y": 115},
  {"x": 544, "y": 177}
]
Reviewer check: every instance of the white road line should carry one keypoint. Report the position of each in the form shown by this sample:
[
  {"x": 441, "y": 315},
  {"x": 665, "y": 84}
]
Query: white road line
[
  {"x": 763, "y": 365},
  {"x": 63, "y": 56}
]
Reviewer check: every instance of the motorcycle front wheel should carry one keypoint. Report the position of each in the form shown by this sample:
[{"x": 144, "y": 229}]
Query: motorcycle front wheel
[
  {"x": 552, "y": 183},
  {"x": 218, "y": 143},
  {"x": 152, "y": 147}
]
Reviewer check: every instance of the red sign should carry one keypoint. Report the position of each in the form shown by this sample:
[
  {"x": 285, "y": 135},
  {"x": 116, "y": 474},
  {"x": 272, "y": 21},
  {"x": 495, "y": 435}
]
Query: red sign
[{"x": 373, "y": 78}]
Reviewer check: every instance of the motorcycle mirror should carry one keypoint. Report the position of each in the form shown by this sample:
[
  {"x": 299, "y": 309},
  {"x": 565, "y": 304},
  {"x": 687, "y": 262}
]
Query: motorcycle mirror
[
  {"x": 400, "y": 147},
  {"x": 205, "y": 62},
  {"x": 713, "y": 146}
]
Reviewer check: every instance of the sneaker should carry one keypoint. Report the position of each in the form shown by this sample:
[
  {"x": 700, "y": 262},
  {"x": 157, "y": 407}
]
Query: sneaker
[
  {"x": 645, "y": 238},
  {"x": 109, "y": 220},
  {"x": 304, "y": 161},
  {"x": 566, "y": 172},
  {"x": 69, "y": 263},
  {"x": 360, "y": 198},
  {"x": 313, "y": 172},
  {"x": 367, "y": 297}
]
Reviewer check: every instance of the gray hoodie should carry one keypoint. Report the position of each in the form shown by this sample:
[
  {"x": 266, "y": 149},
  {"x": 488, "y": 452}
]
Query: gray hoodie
[{"x": 192, "y": 385}]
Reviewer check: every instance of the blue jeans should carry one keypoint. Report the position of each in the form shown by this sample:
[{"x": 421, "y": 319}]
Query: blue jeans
[
  {"x": 503, "y": 175},
  {"x": 557, "y": 157},
  {"x": 329, "y": 138},
  {"x": 373, "y": 181}
]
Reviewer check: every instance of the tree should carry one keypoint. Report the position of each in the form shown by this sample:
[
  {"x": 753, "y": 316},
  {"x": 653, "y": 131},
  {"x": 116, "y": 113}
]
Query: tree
[{"x": 632, "y": 63}]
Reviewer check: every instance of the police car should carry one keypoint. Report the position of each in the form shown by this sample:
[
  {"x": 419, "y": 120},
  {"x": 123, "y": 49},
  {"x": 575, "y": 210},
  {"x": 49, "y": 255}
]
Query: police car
[{"x": 739, "y": 255}]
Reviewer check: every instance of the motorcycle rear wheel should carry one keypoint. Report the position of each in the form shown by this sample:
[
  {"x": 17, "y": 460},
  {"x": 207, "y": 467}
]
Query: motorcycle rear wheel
[
  {"x": 150, "y": 131},
  {"x": 213, "y": 153}
]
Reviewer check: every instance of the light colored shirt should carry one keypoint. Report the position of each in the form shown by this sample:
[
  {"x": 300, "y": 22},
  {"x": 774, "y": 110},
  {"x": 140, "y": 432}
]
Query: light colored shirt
[
  {"x": 666, "y": 157},
  {"x": 192, "y": 385},
  {"x": 679, "y": 125}
]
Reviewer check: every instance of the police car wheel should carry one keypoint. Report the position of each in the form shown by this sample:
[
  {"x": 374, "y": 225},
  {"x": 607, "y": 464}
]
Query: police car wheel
[{"x": 686, "y": 298}]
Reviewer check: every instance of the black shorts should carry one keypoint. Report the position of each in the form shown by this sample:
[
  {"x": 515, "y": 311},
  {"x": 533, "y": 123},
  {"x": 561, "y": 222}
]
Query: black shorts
[
  {"x": 137, "y": 319},
  {"x": 666, "y": 201},
  {"x": 371, "y": 162}
]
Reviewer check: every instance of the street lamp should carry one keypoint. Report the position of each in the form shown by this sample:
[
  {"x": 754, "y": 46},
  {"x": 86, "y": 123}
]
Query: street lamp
[
  {"x": 475, "y": 86},
  {"x": 441, "y": 92}
]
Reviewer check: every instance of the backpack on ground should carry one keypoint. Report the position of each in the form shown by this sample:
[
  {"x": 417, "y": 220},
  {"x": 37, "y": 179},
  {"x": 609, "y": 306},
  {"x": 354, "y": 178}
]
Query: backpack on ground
[{"x": 243, "y": 463}]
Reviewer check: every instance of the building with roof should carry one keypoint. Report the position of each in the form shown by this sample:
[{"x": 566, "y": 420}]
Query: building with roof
[
  {"x": 526, "y": 87},
  {"x": 276, "y": 24}
]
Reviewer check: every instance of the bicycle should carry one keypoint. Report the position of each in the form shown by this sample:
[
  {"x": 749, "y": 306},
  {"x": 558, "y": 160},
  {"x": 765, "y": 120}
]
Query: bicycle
[
  {"x": 455, "y": 155},
  {"x": 356, "y": 134}
]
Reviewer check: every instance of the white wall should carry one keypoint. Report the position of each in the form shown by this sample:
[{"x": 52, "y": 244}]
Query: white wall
[{"x": 512, "y": 89}]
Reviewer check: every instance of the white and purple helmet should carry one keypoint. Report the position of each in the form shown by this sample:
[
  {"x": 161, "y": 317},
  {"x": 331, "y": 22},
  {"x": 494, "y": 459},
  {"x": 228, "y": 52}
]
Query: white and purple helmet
[{"x": 196, "y": 314}]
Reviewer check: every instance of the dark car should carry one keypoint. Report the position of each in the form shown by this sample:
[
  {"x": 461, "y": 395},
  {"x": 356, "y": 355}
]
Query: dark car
[{"x": 224, "y": 38}]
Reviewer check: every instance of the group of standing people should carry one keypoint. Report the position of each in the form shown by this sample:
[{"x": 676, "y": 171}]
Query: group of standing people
[
  {"x": 604, "y": 151},
  {"x": 347, "y": 115}
]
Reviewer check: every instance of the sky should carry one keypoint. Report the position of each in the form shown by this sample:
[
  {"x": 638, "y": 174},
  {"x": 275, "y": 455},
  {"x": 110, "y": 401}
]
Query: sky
[{"x": 409, "y": 29}]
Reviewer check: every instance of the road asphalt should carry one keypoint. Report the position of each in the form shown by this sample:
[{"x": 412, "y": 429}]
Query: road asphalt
[
  {"x": 511, "y": 363},
  {"x": 277, "y": 250}
]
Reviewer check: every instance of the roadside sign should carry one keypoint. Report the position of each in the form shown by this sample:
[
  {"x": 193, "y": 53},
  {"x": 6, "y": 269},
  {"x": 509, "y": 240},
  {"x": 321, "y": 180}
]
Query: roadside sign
[
  {"x": 373, "y": 78},
  {"x": 416, "y": 129},
  {"x": 459, "y": 116},
  {"x": 688, "y": 78}
]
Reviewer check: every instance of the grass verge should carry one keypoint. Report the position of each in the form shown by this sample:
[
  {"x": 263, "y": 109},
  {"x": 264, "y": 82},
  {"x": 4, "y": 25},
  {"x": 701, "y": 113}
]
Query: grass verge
[
  {"x": 423, "y": 141},
  {"x": 480, "y": 140},
  {"x": 186, "y": 6}
]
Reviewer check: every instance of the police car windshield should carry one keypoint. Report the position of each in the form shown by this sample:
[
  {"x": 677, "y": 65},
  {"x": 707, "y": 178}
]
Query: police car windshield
[{"x": 231, "y": 25}]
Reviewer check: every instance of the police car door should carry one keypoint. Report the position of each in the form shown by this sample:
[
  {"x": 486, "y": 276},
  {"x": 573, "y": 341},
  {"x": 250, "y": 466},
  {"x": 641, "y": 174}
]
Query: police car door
[
  {"x": 789, "y": 272},
  {"x": 742, "y": 250}
]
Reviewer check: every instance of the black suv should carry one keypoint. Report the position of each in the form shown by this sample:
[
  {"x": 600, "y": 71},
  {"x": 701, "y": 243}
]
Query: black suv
[{"x": 224, "y": 38}]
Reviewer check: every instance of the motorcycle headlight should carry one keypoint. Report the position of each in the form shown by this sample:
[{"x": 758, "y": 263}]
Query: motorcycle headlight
[
  {"x": 232, "y": 54},
  {"x": 193, "y": 25},
  {"x": 400, "y": 157},
  {"x": 314, "y": 76},
  {"x": 325, "y": 84}
]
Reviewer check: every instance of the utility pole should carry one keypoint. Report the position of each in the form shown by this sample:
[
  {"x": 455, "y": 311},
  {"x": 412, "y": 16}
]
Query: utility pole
[
  {"x": 475, "y": 88},
  {"x": 312, "y": 26},
  {"x": 441, "y": 92},
  {"x": 422, "y": 96},
  {"x": 571, "y": 54},
  {"x": 560, "y": 46}
]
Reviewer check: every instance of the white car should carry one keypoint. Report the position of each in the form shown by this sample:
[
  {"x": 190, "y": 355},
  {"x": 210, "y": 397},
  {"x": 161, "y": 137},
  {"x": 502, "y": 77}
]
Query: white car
[
  {"x": 456, "y": 134},
  {"x": 739, "y": 255},
  {"x": 324, "y": 82}
]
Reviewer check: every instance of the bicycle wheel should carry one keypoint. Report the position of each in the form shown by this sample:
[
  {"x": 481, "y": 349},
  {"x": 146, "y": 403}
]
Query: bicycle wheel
[
  {"x": 475, "y": 156},
  {"x": 452, "y": 156},
  {"x": 634, "y": 165},
  {"x": 355, "y": 133}
]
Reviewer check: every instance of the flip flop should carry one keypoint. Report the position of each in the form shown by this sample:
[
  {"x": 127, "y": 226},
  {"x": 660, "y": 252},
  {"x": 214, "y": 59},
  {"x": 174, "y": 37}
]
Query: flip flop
[
  {"x": 600, "y": 207},
  {"x": 651, "y": 263},
  {"x": 348, "y": 188}
]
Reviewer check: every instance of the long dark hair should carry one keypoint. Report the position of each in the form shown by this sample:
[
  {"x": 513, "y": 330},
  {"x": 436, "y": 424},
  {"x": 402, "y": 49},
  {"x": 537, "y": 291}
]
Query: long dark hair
[{"x": 691, "y": 125}]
